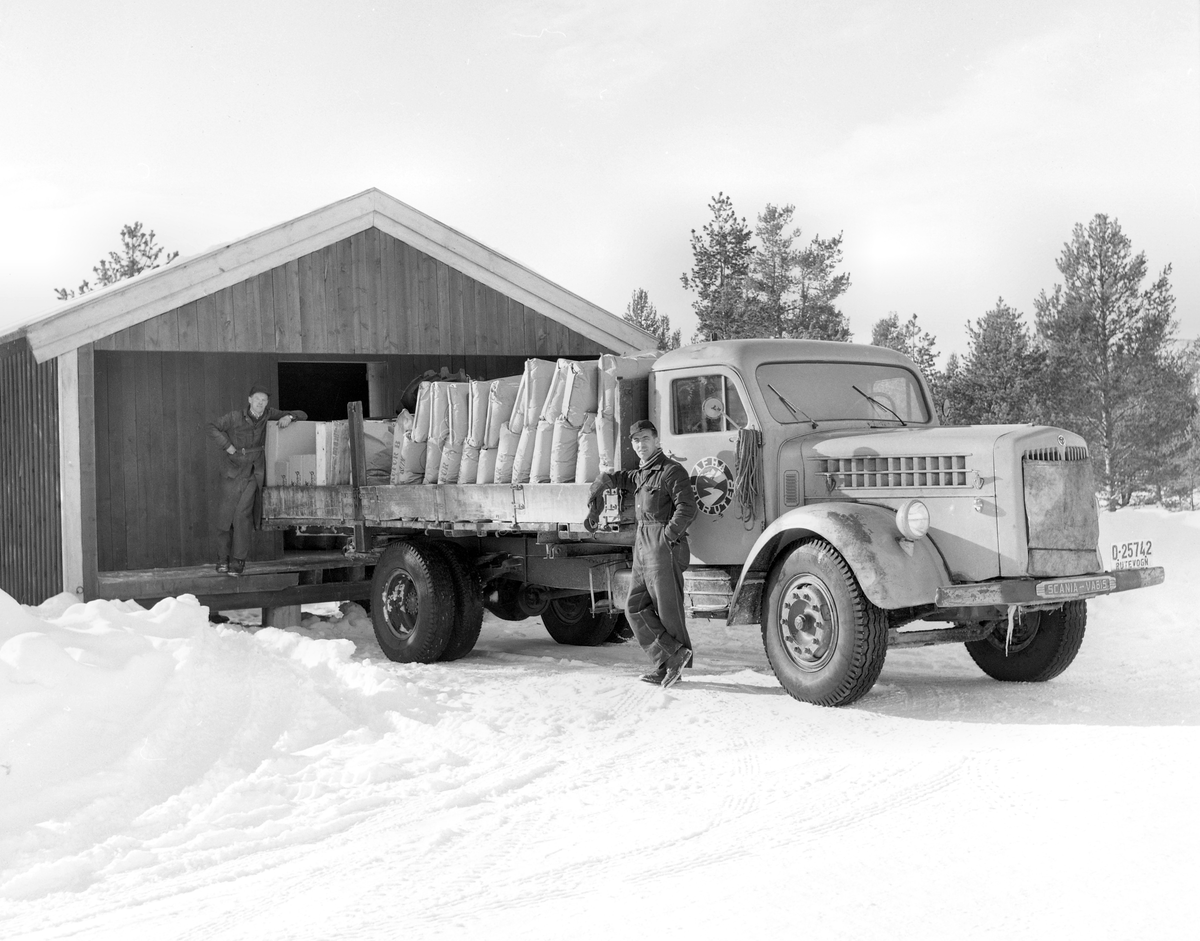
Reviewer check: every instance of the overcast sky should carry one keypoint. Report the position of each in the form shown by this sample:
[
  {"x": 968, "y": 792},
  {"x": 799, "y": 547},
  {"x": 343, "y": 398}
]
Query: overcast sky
[{"x": 955, "y": 144}]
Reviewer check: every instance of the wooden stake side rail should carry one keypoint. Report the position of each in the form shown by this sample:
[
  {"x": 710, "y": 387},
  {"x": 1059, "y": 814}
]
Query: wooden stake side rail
[{"x": 478, "y": 507}]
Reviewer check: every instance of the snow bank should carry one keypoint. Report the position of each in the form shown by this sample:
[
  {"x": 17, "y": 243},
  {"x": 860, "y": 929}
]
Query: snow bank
[{"x": 113, "y": 717}]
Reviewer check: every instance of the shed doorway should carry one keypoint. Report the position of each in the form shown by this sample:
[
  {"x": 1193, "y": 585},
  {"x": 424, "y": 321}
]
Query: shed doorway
[{"x": 323, "y": 389}]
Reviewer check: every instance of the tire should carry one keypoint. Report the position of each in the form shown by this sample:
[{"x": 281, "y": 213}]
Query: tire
[
  {"x": 825, "y": 641},
  {"x": 1044, "y": 643},
  {"x": 570, "y": 621},
  {"x": 468, "y": 601},
  {"x": 412, "y": 605}
]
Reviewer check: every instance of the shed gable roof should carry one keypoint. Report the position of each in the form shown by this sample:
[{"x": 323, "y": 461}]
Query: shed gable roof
[{"x": 101, "y": 313}]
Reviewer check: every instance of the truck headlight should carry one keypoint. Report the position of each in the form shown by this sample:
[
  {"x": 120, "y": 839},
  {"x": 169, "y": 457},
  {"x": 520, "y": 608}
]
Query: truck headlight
[{"x": 912, "y": 519}]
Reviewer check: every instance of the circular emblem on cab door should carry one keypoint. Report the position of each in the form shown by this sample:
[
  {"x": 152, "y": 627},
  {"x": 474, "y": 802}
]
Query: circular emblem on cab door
[{"x": 714, "y": 485}]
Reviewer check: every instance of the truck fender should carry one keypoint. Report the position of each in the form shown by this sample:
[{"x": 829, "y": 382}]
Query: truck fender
[{"x": 867, "y": 538}]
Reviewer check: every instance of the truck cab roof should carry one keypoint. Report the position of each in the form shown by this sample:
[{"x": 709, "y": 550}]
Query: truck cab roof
[{"x": 746, "y": 355}]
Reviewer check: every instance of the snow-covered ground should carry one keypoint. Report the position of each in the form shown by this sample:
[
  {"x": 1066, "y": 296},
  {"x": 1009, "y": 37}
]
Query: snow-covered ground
[{"x": 161, "y": 777}]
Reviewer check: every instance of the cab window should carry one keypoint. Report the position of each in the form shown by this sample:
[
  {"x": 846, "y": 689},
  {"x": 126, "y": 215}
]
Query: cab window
[{"x": 704, "y": 404}]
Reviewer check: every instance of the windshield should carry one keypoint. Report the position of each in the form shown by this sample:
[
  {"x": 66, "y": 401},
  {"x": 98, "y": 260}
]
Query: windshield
[{"x": 825, "y": 392}]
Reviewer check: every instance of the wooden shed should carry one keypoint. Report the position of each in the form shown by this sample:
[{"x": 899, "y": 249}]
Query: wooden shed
[{"x": 105, "y": 466}]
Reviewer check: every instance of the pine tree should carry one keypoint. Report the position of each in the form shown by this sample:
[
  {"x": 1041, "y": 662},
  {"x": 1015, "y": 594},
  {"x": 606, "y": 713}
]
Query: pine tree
[
  {"x": 1003, "y": 376},
  {"x": 794, "y": 290},
  {"x": 641, "y": 313},
  {"x": 721, "y": 261},
  {"x": 138, "y": 253},
  {"x": 1114, "y": 374},
  {"x": 907, "y": 338}
]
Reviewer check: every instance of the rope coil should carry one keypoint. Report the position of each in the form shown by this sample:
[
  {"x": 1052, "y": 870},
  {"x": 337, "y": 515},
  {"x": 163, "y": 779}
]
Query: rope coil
[{"x": 747, "y": 473}]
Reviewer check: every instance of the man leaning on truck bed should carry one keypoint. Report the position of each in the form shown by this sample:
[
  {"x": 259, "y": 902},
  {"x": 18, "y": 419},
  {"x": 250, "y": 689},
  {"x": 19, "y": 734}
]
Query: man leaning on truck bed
[
  {"x": 665, "y": 505},
  {"x": 241, "y": 435}
]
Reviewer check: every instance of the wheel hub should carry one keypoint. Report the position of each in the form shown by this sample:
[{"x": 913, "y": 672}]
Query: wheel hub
[
  {"x": 808, "y": 624},
  {"x": 400, "y": 604}
]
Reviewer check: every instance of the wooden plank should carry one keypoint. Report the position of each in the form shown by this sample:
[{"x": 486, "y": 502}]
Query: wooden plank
[
  {"x": 70, "y": 480},
  {"x": 412, "y": 299},
  {"x": 207, "y": 323},
  {"x": 392, "y": 338},
  {"x": 358, "y": 447},
  {"x": 342, "y": 339},
  {"x": 287, "y": 307},
  {"x": 460, "y": 341},
  {"x": 445, "y": 324},
  {"x": 87, "y": 468},
  {"x": 263, "y": 287},
  {"x": 168, "y": 330},
  {"x": 104, "y": 470},
  {"x": 124, "y": 404},
  {"x": 189, "y": 329},
  {"x": 247, "y": 330},
  {"x": 169, "y": 472},
  {"x": 374, "y": 297},
  {"x": 162, "y": 582},
  {"x": 227, "y": 333},
  {"x": 147, "y": 525},
  {"x": 190, "y": 443}
]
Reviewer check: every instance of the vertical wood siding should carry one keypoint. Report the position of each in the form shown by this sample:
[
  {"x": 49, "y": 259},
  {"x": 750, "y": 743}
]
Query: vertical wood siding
[
  {"x": 366, "y": 298},
  {"x": 31, "y": 539},
  {"x": 369, "y": 294}
]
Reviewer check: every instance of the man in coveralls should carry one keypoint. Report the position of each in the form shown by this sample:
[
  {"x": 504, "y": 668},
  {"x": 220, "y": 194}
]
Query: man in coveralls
[
  {"x": 665, "y": 505},
  {"x": 241, "y": 435}
]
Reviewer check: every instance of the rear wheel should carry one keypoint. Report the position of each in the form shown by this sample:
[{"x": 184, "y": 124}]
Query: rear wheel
[
  {"x": 468, "y": 601},
  {"x": 412, "y": 603},
  {"x": 1042, "y": 645},
  {"x": 570, "y": 621},
  {"x": 825, "y": 641}
]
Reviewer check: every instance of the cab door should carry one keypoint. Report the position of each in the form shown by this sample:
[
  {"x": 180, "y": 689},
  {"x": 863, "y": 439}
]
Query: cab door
[{"x": 700, "y": 413}]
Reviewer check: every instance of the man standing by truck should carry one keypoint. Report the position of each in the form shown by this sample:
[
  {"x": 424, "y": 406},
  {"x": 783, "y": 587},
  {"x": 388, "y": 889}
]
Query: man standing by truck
[
  {"x": 241, "y": 434},
  {"x": 665, "y": 505}
]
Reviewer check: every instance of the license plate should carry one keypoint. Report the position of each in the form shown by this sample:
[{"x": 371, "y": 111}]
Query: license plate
[
  {"x": 1077, "y": 587},
  {"x": 1130, "y": 555}
]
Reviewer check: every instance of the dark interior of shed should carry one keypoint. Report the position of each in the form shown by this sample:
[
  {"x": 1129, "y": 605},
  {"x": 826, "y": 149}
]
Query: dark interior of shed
[{"x": 322, "y": 389}]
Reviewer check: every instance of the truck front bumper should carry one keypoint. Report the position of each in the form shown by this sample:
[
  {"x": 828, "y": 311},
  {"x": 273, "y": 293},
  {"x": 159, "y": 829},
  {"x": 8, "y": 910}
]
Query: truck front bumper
[{"x": 1046, "y": 590}]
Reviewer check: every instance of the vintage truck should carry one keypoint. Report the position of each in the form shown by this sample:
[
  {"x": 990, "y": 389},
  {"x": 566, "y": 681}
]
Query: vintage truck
[{"x": 836, "y": 512}]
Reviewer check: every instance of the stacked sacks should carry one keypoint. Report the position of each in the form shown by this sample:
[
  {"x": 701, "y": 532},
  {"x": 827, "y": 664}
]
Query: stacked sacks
[
  {"x": 502, "y": 395},
  {"x": 458, "y": 395},
  {"x": 587, "y": 458},
  {"x": 614, "y": 368},
  {"x": 543, "y": 436},
  {"x": 514, "y": 458},
  {"x": 477, "y": 409},
  {"x": 404, "y": 423},
  {"x": 414, "y": 446},
  {"x": 439, "y": 429},
  {"x": 579, "y": 400}
]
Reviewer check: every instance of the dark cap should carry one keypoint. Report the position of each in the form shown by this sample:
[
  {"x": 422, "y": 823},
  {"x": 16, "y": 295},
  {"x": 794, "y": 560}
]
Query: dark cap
[
  {"x": 643, "y": 424},
  {"x": 259, "y": 387}
]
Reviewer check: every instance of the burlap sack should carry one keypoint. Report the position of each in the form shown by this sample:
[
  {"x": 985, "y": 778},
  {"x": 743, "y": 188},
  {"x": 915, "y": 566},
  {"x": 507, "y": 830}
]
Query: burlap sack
[{"x": 564, "y": 450}]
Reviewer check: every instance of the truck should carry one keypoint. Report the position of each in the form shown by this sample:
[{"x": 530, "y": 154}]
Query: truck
[{"x": 837, "y": 515}]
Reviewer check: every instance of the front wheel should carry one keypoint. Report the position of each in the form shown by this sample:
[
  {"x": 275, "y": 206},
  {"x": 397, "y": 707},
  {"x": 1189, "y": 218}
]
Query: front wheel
[
  {"x": 825, "y": 641},
  {"x": 571, "y": 621},
  {"x": 412, "y": 603},
  {"x": 1042, "y": 645}
]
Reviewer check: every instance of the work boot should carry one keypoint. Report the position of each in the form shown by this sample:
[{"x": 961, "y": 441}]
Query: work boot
[
  {"x": 657, "y": 676},
  {"x": 675, "y": 664},
  {"x": 237, "y": 566},
  {"x": 223, "y": 567}
]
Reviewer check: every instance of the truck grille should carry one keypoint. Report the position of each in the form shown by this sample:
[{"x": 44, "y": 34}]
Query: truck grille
[
  {"x": 1071, "y": 452},
  {"x": 942, "y": 470}
]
